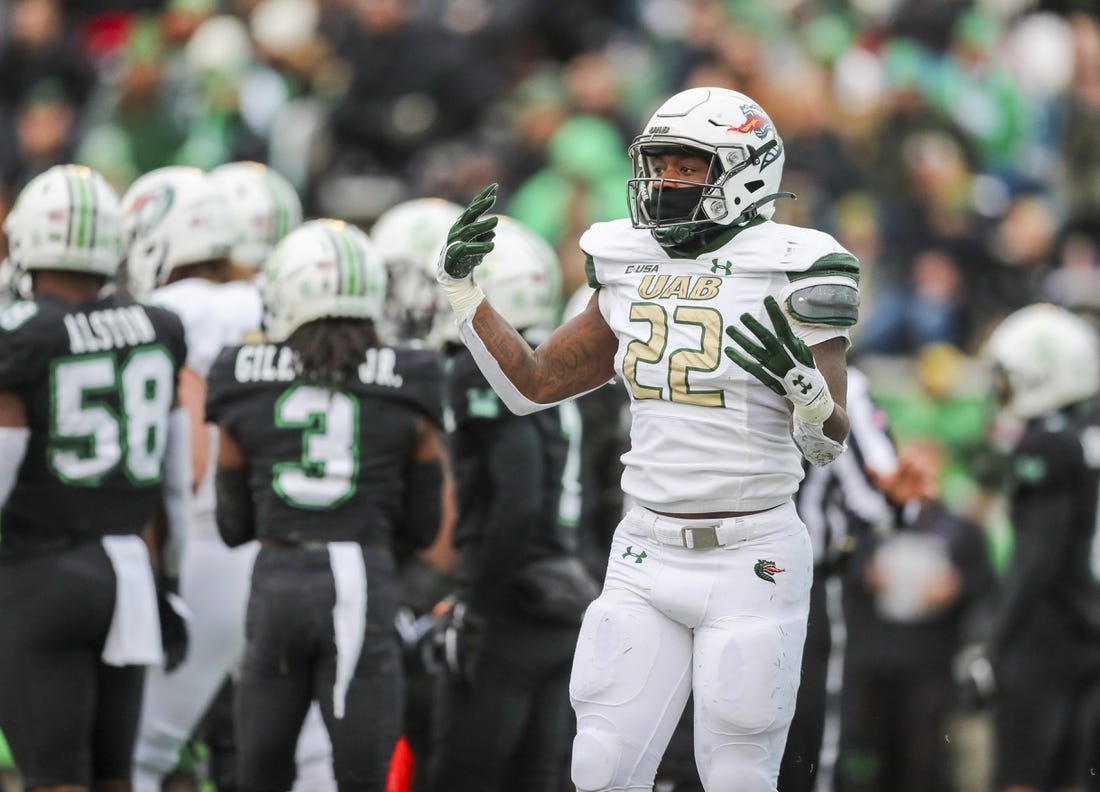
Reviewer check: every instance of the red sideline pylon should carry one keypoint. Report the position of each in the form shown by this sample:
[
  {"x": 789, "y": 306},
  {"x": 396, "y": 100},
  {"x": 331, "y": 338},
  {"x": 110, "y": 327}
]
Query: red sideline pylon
[{"x": 400, "y": 777}]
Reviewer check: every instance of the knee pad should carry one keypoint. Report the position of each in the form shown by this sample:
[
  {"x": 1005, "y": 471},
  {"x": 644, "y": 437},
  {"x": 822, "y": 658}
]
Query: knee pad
[
  {"x": 597, "y": 749},
  {"x": 747, "y": 673},
  {"x": 616, "y": 650},
  {"x": 744, "y": 767}
]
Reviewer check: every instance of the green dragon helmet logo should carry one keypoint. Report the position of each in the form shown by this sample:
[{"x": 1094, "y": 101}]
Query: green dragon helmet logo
[{"x": 767, "y": 570}]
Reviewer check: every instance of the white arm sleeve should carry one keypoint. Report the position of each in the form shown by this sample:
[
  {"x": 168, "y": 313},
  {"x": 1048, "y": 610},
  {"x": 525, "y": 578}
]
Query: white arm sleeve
[
  {"x": 508, "y": 393},
  {"x": 13, "y": 447},
  {"x": 176, "y": 490}
]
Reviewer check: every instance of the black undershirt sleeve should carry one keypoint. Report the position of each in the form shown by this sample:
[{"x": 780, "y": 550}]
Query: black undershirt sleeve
[
  {"x": 236, "y": 518},
  {"x": 516, "y": 472},
  {"x": 423, "y": 502}
]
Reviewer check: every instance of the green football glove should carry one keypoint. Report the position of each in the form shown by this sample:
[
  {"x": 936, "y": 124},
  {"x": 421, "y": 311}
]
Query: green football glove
[
  {"x": 783, "y": 362},
  {"x": 468, "y": 242}
]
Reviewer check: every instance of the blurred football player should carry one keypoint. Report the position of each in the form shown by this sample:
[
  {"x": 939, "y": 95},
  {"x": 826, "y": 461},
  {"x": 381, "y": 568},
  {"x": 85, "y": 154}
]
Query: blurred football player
[
  {"x": 409, "y": 236},
  {"x": 90, "y": 437},
  {"x": 1045, "y": 646},
  {"x": 503, "y": 716},
  {"x": 330, "y": 452}
]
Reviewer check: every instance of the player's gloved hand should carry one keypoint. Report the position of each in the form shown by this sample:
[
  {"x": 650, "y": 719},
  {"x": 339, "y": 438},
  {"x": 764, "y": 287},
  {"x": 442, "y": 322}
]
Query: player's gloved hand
[
  {"x": 468, "y": 242},
  {"x": 174, "y": 637},
  {"x": 975, "y": 677},
  {"x": 458, "y": 640},
  {"x": 783, "y": 362}
]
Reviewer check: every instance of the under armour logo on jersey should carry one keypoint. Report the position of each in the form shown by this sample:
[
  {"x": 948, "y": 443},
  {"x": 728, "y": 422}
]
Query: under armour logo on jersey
[
  {"x": 800, "y": 381},
  {"x": 727, "y": 268},
  {"x": 638, "y": 557},
  {"x": 766, "y": 570}
]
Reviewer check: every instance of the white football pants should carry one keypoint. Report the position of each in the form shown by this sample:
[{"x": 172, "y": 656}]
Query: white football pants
[
  {"x": 724, "y": 623},
  {"x": 214, "y": 582}
]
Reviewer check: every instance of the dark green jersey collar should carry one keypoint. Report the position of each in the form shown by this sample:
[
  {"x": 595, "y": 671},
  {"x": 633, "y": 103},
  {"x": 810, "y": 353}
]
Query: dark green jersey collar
[{"x": 706, "y": 239}]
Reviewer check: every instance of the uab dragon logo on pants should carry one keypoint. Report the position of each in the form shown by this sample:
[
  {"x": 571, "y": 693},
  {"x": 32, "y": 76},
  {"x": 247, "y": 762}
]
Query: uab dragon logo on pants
[{"x": 766, "y": 570}]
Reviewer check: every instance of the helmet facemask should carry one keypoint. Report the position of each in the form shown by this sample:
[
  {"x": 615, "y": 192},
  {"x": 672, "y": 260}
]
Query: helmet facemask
[{"x": 695, "y": 204}]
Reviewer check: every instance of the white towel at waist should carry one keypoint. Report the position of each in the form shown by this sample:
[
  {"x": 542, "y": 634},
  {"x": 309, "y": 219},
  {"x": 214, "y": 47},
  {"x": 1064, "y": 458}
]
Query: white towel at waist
[
  {"x": 134, "y": 636},
  {"x": 349, "y": 615}
]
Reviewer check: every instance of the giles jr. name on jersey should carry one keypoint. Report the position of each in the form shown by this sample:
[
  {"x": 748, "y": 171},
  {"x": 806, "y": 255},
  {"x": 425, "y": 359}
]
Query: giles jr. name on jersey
[{"x": 271, "y": 363}]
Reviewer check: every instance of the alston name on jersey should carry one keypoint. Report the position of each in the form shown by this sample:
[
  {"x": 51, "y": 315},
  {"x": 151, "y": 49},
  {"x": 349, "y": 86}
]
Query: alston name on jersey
[
  {"x": 110, "y": 328},
  {"x": 270, "y": 363}
]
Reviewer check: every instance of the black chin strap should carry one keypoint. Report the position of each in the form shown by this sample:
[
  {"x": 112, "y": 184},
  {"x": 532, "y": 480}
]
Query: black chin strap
[{"x": 753, "y": 209}]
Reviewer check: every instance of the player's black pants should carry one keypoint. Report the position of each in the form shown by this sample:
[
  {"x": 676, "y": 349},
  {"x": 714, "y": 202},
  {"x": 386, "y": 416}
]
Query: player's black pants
[
  {"x": 892, "y": 728},
  {"x": 296, "y": 651},
  {"x": 69, "y": 718},
  {"x": 511, "y": 729}
]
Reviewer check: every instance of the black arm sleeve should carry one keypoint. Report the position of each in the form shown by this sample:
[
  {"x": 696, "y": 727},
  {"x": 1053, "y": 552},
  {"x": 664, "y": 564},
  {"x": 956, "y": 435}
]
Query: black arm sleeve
[
  {"x": 516, "y": 472},
  {"x": 423, "y": 502},
  {"x": 236, "y": 519},
  {"x": 1042, "y": 523}
]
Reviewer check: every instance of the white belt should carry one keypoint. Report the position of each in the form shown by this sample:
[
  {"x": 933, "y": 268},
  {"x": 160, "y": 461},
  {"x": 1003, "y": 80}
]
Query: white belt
[{"x": 707, "y": 534}]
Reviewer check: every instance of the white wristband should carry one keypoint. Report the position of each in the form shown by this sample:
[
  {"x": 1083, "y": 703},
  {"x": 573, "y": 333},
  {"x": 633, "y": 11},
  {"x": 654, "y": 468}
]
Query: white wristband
[
  {"x": 463, "y": 295},
  {"x": 818, "y": 410}
]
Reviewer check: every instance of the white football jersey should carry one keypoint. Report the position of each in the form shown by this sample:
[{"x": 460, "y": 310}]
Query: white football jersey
[
  {"x": 214, "y": 315},
  {"x": 707, "y": 436}
]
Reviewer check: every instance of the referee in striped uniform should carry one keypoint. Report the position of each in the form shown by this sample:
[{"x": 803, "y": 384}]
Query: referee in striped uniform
[{"x": 834, "y": 501}]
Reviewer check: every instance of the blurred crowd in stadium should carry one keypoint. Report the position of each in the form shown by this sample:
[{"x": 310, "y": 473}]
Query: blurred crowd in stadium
[{"x": 952, "y": 146}]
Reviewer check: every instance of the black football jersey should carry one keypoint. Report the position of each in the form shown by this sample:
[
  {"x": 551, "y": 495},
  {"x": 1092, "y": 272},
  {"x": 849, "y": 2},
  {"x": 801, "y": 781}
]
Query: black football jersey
[
  {"x": 98, "y": 381},
  {"x": 480, "y": 418},
  {"x": 1051, "y": 592},
  {"x": 326, "y": 463}
]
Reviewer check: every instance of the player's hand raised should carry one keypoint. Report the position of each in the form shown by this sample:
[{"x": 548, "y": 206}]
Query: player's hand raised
[
  {"x": 469, "y": 241},
  {"x": 470, "y": 238},
  {"x": 782, "y": 361}
]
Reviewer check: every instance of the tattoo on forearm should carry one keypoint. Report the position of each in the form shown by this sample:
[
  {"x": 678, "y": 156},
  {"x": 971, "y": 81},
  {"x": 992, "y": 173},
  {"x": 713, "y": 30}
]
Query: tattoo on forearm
[
  {"x": 497, "y": 339},
  {"x": 568, "y": 364}
]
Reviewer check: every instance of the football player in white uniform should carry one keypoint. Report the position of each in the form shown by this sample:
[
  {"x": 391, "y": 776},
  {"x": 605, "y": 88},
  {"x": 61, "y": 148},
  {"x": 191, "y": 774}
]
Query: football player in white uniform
[
  {"x": 191, "y": 236},
  {"x": 709, "y": 574}
]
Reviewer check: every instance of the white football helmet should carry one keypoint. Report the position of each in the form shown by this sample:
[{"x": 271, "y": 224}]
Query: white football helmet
[
  {"x": 264, "y": 206},
  {"x": 67, "y": 218},
  {"x": 734, "y": 134},
  {"x": 409, "y": 236},
  {"x": 321, "y": 269},
  {"x": 521, "y": 277},
  {"x": 172, "y": 217},
  {"x": 1044, "y": 358}
]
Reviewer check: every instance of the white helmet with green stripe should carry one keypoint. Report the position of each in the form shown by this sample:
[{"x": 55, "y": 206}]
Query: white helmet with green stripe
[
  {"x": 172, "y": 217},
  {"x": 67, "y": 218},
  {"x": 264, "y": 205},
  {"x": 322, "y": 269}
]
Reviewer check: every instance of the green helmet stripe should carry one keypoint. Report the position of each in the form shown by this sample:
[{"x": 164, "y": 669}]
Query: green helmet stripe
[
  {"x": 83, "y": 209},
  {"x": 72, "y": 207},
  {"x": 341, "y": 267},
  {"x": 353, "y": 264}
]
